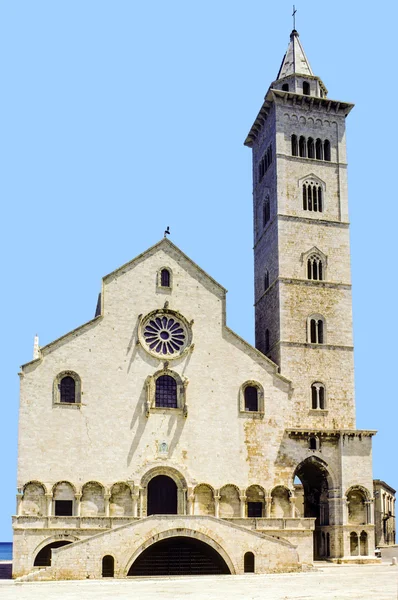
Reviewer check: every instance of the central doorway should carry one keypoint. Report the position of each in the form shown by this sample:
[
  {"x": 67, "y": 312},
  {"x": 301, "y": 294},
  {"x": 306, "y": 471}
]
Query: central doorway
[
  {"x": 162, "y": 496},
  {"x": 179, "y": 556}
]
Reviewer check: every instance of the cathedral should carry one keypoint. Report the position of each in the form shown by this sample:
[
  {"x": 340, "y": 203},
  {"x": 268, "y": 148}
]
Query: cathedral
[{"x": 153, "y": 440}]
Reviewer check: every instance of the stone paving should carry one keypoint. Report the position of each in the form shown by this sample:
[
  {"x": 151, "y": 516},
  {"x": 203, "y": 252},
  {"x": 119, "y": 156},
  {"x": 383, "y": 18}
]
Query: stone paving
[{"x": 328, "y": 582}]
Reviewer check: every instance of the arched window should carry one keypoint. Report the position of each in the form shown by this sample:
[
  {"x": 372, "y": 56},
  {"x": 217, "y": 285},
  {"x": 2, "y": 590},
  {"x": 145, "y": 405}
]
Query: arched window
[
  {"x": 326, "y": 150},
  {"x": 294, "y": 145},
  {"x": 318, "y": 396},
  {"x": 285, "y": 87},
  {"x": 165, "y": 278},
  {"x": 67, "y": 390},
  {"x": 266, "y": 211},
  {"x": 166, "y": 392},
  {"x": 108, "y": 566},
  {"x": 311, "y": 148},
  {"x": 266, "y": 280},
  {"x": 314, "y": 268},
  {"x": 302, "y": 146},
  {"x": 316, "y": 330},
  {"x": 313, "y": 443},
  {"x": 354, "y": 548},
  {"x": 267, "y": 345},
  {"x": 319, "y": 149},
  {"x": 306, "y": 88},
  {"x": 248, "y": 561},
  {"x": 251, "y": 398}
]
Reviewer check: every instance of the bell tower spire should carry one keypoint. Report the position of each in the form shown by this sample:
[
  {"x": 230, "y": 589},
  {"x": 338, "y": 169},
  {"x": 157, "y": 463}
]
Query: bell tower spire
[{"x": 301, "y": 242}]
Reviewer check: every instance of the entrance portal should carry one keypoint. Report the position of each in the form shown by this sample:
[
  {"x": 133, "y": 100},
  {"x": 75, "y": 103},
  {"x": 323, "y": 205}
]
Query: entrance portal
[
  {"x": 162, "y": 496},
  {"x": 179, "y": 556},
  {"x": 313, "y": 477}
]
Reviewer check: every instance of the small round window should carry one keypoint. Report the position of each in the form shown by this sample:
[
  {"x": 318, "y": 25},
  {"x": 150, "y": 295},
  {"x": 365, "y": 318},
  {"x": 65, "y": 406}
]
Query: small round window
[{"x": 165, "y": 333}]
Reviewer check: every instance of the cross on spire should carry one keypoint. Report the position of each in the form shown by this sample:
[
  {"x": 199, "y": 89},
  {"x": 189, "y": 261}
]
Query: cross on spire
[{"x": 294, "y": 17}]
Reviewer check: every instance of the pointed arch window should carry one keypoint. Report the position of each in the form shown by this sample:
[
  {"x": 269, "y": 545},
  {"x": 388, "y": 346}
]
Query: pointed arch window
[
  {"x": 318, "y": 396},
  {"x": 316, "y": 330},
  {"x": 314, "y": 268}
]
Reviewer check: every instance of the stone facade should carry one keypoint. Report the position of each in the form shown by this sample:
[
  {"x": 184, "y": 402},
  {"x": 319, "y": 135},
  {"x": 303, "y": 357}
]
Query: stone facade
[
  {"x": 156, "y": 422},
  {"x": 385, "y": 522}
]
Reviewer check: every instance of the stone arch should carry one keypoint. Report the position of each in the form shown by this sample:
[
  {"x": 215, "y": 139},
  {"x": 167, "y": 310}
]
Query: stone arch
[
  {"x": 120, "y": 501},
  {"x": 280, "y": 502},
  {"x": 204, "y": 500},
  {"x": 64, "y": 494},
  {"x": 53, "y": 540},
  {"x": 34, "y": 499},
  {"x": 316, "y": 480},
  {"x": 229, "y": 501},
  {"x": 108, "y": 565},
  {"x": 92, "y": 502},
  {"x": 357, "y": 497},
  {"x": 173, "y": 474},
  {"x": 181, "y": 532},
  {"x": 255, "y": 501}
]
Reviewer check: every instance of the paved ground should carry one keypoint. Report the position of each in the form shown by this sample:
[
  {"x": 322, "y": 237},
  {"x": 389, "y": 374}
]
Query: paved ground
[{"x": 329, "y": 582}]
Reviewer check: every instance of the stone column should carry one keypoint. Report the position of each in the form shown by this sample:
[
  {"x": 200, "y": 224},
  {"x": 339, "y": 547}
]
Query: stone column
[
  {"x": 217, "y": 505},
  {"x": 268, "y": 504},
  {"x": 107, "y": 497},
  {"x": 292, "y": 501},
  {"x": 141, "y": 493},
  {"x": 191, "y": 501},
  {"x": 369, "y": 511},
  {"x": 135, "y": 497},
  {"x": 49, "y": 502},
  {"x": 242, "y": 506},
  {"x": 77, "y": 504}
]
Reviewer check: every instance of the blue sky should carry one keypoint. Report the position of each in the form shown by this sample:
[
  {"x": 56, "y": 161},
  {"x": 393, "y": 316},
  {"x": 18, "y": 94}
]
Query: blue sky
[{"x": 119, "y": 118}]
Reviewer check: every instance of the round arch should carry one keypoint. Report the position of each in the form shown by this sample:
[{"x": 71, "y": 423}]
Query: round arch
[
  {"x": 69, "y": 539},
  {"x": 183, "y": 533},
  {"x": 34, "y": 482},
  {"x": 176, "y": 477}
]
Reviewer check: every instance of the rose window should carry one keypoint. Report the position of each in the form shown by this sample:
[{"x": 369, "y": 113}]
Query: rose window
[{"x": 165, "y": 334}]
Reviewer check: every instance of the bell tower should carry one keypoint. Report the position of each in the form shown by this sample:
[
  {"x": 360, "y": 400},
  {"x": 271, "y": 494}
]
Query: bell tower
[{"x": 303, "y": 314}]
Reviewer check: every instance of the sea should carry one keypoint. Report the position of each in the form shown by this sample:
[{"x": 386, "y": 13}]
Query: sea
[{"x": 5, "y": 550}]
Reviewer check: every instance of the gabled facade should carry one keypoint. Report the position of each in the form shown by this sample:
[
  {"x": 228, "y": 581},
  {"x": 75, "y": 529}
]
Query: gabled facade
[{"x": 154, "y": 429}]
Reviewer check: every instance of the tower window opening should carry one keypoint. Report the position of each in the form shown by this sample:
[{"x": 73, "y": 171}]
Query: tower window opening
[
  {"x": 316, "y": 331},
  {"x": 313, "y": 443},
  {"x": 265, "y": 162},
  {"x": 312, "y": 197},
  {"x": 285, "y": 87},
  {"x": 294, "y": 145},
  {"x": 314, "y": 268},
  {"x": 166, "y": 392},
  {"x": 326, "y": 150},
  {"x": 302, "y": 146},
  {"x": 311, "y": 148},
  {"x": 318, "y": 149},
  {"x": 266, "y": 211},
  {"x": 306, "y": 88},
  {"x": 266, "y": 280},
  {"x": 318, "y": 396}
]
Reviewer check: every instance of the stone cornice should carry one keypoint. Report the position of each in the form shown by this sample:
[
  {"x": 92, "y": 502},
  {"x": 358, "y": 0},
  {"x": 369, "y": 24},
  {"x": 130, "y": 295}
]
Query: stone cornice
[{"x": 303, "y": 433}]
